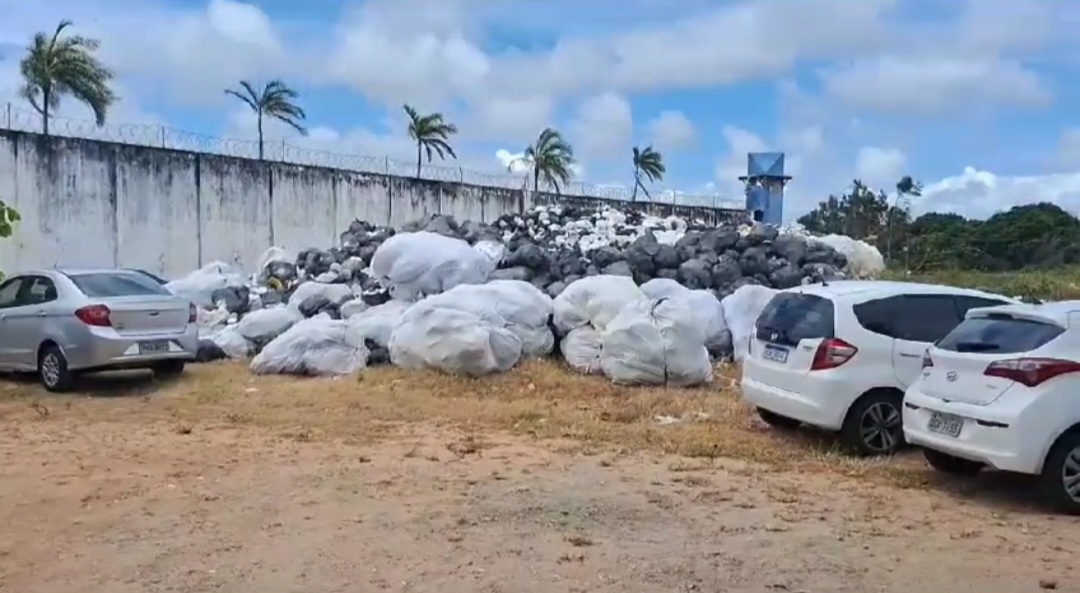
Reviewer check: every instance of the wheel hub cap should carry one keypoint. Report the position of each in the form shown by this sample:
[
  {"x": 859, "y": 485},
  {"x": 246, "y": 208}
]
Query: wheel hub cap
[{"x": 879, "y": 428}]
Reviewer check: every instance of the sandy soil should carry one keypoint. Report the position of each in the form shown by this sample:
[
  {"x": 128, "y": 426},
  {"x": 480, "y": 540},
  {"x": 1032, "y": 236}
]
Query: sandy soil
[{"x": 115, "y": 507}]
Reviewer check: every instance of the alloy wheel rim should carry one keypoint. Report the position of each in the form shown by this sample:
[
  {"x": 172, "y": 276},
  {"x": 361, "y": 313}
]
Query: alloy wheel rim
[
  {"x": 50, "y": 369},
  {"x": 1070, "y": 475},
  {"x": 879, "y": 428}
]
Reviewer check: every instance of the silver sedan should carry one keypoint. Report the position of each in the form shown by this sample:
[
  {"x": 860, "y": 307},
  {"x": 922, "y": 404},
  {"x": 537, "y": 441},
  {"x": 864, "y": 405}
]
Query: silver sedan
[{"x": 59, "y": 323}]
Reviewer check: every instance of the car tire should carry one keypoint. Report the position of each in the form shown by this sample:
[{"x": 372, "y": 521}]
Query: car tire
[
  {"x": 874, "y": 424},
  {"x": 168, "y": 368},
  {"x": 53, "y": 372},
  {"x": 1060, "y": 480},
  {"x": 777, "y": 421},
  {"x": 950, "y": 464}
]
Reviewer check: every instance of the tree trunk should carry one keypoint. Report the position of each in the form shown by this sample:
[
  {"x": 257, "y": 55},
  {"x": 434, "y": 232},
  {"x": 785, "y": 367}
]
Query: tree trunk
[
  {"x": 419, "y": 157},
  {"x": 260, "y": 137},
  {"x": 46, "y": 95},
  {"x": 536, "y": 178},
  {"x": 637, "y": 182}
]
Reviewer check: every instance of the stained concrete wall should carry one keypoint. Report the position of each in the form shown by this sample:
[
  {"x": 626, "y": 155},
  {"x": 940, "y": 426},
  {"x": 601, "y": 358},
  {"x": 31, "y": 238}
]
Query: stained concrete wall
[{"x": 92, "y": 203}]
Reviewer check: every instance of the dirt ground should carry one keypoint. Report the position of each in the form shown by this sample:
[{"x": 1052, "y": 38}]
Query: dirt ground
[{"x": 226, "y": 482}]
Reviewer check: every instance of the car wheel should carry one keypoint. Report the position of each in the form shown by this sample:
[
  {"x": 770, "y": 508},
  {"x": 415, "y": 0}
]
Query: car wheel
[
  {"x": 776, "y": 420},
  {"x": 1061, "y": 475},
  {"x": 168, "y": 368},
  {"x": 874, "y": 424},
  {"x": 950, "y": 464},
  {"x": 53, "y": 373}
]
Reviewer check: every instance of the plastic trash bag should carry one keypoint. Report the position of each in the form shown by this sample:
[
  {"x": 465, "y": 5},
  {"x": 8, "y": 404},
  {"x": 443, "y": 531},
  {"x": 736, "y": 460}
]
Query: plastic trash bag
[
  {"x": 232, "y": 343},
  {"x": 655, "y": 342},
  {"x": 276, "y": 254},
  {"x": 354, "y": 307},
  {"x": 453, "y": 341},
  {"x": 864, "y": 260},
  {"x": 335, "y": 293},
  {"x": 377, "y": 323},
  {"x": 581, "y": 350},
  {"x": 212, "y": 321},
  {"x": 593, "y": 300},
  {"x": 316, "y": 346},
  {"x": 413, "y": 265},
  {"x": 704, "y": 304},
  {"x": 741, "y": 310},
  {"x": 199, "y": 286},
  {"x": 262, "y": 326},
  {"x": 493, "y": 250}
]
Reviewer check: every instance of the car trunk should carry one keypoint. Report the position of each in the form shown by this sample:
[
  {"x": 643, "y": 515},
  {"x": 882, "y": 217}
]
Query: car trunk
[
  {"x": 960, "y": 359},
  {"x": 787, "y": 335},
  {"x": 144, "y": 315}
]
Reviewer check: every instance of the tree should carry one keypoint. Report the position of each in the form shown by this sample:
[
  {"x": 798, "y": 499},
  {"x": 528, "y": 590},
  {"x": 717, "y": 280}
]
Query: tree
[
  {"x": 57, "y": 65},
  {"x": 650, "y": 163},
  {"x": 906, "y": 188},
  {"x": 432, "y": 135},
  {"x": 276, "y": 100},
  {"x": 8, "y": 217},
  {"x": 551, "y": 158}
]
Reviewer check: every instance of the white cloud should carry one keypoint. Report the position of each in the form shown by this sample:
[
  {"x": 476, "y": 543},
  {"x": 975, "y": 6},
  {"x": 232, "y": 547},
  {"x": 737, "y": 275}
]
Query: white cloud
[
  {"x": 979, "y": 194},
  {"x": 1069, "y": 148},
  {"x": 672, "y": 131},
  {"x": 604, "y": 127},
  {"x": 880, "y": 167}
]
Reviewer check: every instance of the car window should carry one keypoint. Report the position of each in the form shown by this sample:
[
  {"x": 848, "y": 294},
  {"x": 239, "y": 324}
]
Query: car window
[
  {"x": 879, "y": 315},
  {"x": 926, "y": 317},
  {"x": 9, "y": 291},
  {"x": 967, "y": 303},
  {"x": 793, "y": 317},
  {"x": 999, "y": 335},
  {"x": 117, "y": 284},
  {"x": 37, "y": 290}
]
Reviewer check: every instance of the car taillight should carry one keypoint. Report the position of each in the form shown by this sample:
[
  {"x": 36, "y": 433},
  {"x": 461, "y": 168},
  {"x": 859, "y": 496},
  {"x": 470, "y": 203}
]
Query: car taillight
[
  {"x": 831, "y": 353},
  {"x": 1031, "y": 371},
  {"x": 926, "y": 360},
  {"x": 95, "y": 315},
  {"x": 193, "y": 313}
]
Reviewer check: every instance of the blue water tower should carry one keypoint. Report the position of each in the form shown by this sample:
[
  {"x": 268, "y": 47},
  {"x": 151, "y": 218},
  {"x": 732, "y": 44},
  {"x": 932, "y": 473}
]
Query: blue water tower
[{"x": 764, "y": 182}]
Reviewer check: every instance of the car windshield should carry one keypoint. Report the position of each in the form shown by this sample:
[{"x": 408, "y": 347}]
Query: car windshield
[
  {"x": 794, "y": 317},
  {"x": 117, "y": 284},
  {"x": 999, "y": 335}
]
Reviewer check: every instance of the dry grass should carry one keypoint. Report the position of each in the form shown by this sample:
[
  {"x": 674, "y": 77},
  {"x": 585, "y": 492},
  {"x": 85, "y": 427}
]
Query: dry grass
[
  {"x": 1058, "y": 284},
  {"x": 540, "y": 398}
]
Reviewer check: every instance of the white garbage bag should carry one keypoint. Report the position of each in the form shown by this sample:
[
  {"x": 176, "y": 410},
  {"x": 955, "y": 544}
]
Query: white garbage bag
[
  {"x": 655, "y": 342},
  {"x": 581, "y": 350},
  {"x": 493, "y": 250},
  {"x": 232, "y": 343},
  {"x": 864, "y": 260},
  {"x": 317, "y": 346},
  {"x": 703, "y": 303},
  {"x": 262, "y": 326},
  {"x": 418, "y": 264},
  {"x": 212, "y": 321},
  {"x": 199, "y": 286},
  {"x": 593, "y": 300},
  {"x": 453, "y": 341},
  {"x": 741, "y": 310},
  {"x": 377, "y": 323},
  {"x": 353, "y": 307},
  {"x": 514, "y": 305},
  {"x": 276, "y": 254},
  {"x": 335, "y": 293}
]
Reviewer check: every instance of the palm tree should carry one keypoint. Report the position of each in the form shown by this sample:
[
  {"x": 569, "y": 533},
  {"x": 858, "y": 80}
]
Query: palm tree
[
  {"x": 55, "y": 66},
  {"x": 431, "y": 134},
  {"x": 650, "y": 163},
  {"x": 551, "y": 158},
  {"x": 276, "y": 100}
]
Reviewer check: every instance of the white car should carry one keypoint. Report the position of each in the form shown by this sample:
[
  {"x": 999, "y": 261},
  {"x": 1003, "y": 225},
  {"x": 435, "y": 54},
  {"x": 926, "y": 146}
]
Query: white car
[
  {"x": 1001, "y": 390},
  {"x": 839, "y": 355}
]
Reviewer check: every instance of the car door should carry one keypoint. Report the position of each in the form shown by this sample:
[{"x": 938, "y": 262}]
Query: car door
[
  {"x": 25, "y": 320},
  {"x": 920, "y": 320},
  {"x": 9, "y": 293}
]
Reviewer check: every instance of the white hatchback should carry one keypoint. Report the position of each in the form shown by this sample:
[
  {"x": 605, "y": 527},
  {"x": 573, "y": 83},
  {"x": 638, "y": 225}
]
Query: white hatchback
[
  {"x": 1001, "y": 390},
  {"x": 839, "y": 355}
]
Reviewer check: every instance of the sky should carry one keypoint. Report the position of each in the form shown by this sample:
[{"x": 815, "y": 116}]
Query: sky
[{"x": 974, "y": 98}]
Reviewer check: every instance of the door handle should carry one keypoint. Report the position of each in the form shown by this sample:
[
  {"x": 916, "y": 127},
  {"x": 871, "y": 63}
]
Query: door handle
[
  {"x": 910, "y": 355},
  {"x": 40, "y": 313}
]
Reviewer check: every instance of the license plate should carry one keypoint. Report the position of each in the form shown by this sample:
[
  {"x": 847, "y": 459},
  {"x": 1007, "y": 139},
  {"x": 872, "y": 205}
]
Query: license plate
[
  {"x": 154, "y": 347},
  {"x": 946, "y": 424},
  {"x": 775, "y": 354}
]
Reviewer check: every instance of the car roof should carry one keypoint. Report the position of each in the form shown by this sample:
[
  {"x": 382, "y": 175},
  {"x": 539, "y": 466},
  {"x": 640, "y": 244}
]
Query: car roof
[
  {"x": 1058, "y": 312},
  {"x": 869, "y": 289}
]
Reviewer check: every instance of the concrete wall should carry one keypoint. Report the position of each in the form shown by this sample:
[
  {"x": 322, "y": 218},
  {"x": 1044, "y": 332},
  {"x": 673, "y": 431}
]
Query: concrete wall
[{"x": 93, "y": 203}]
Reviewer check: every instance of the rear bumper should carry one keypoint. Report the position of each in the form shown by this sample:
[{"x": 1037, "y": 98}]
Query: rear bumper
[
  {"x": 103, "y": 348},
  {"x": 990, "y": 434},
  {"x": 818, "y": 402}
]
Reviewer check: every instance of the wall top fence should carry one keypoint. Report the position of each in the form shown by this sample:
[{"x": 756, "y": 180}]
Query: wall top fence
[{"x": 18, "y": 119}]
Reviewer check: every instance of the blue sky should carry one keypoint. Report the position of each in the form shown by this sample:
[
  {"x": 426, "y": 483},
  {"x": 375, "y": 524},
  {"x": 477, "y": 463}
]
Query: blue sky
[{"x": 972, "y": 97}]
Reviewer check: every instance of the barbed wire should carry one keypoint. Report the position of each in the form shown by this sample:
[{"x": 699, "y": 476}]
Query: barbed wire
[{"x": 26, "y": 120}]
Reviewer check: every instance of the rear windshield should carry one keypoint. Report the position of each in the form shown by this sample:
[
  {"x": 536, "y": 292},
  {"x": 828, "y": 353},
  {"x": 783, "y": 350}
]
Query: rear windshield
[
  {"x": 105, "y": 285},
  {"x": 794, "y": 317},
  {"x": 998, "y": 335}
]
